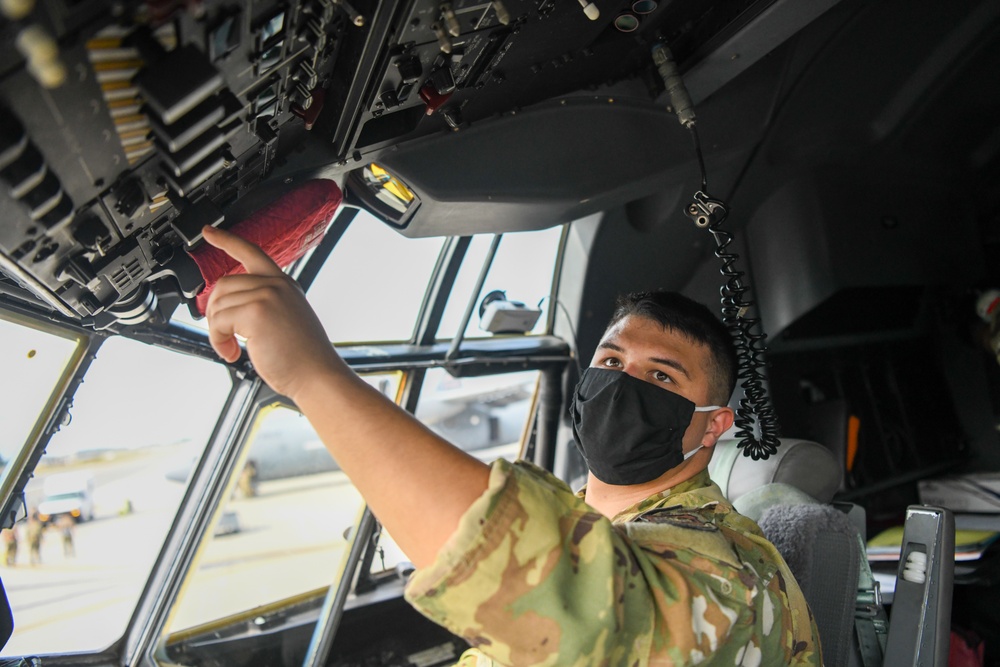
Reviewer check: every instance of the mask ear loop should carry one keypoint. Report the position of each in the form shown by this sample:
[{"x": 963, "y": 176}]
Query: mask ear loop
[
  {"x": 692, "y": 452},
  {"x": 703, "y": 408},
  {"x": 755, "y": 414}
]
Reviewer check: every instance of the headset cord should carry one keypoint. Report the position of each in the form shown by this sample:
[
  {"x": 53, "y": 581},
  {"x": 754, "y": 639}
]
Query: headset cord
[{"x": 755, "y": 407}]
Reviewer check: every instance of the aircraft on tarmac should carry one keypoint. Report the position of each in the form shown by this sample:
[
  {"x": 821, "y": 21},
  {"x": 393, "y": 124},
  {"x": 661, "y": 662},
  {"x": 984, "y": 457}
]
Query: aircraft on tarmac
[
  {"x": 462, "y": 188},
  {"x": 473, "y": 413}
]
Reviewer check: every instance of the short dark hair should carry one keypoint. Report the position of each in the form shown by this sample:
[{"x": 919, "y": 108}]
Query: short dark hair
[{"x": 693, "y": 320}]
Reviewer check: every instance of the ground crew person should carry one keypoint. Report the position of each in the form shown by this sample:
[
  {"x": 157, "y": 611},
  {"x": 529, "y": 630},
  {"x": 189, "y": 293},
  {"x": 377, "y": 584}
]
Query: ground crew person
[
  {"x": 248, "y": 480},
  {"x": 34, "y": 533},
  {"x": 648, "y": 566},
  {"x": 10, "y": 544},
  {"x": 66, "y": 526}
]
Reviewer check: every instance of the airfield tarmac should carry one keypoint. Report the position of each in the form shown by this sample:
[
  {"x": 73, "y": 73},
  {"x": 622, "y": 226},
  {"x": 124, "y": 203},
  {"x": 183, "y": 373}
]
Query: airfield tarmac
[{"x": 291, "y": 540}]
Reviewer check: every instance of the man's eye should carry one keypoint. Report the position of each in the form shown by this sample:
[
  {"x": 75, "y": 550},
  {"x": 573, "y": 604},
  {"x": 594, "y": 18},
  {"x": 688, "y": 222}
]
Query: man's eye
[
  {"x": 660, "y": 376},
  {"x": 611, "y": 362}
]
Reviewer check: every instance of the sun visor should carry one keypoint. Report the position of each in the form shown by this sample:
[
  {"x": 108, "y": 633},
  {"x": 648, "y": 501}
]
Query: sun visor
[{"x": 526, "y": 171}]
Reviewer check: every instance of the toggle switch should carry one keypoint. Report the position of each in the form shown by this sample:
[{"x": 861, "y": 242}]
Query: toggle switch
[
  {"x": 501, "y": 11},
  {"x": 432, "y": 98},
  {"x": 450, "y": 20},
  {"x": 590, "y": 10},
  {"x": 444, "y": 40}
]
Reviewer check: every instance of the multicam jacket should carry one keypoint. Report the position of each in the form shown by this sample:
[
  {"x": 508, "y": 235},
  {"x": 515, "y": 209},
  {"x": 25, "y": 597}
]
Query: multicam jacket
[{"x": 535, "y": 576}]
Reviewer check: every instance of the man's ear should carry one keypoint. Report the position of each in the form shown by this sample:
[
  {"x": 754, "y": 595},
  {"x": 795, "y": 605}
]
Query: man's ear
[{"x": 719, "y": 422}]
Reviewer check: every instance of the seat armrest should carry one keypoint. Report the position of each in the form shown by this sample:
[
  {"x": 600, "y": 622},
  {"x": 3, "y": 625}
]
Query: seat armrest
[{"x": 920, "y": 626}]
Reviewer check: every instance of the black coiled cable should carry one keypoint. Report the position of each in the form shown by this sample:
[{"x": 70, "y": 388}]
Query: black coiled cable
[{"x": 755, "y": 407}]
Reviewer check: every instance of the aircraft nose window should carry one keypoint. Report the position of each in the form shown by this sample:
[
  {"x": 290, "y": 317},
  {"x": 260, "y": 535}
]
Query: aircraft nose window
[
  {"x": 281, "y": 532},
  {"x": 486, "y": 416},
  {"x": 100, "y": 503},
  {"x": 373, "y": 269},
  {"x": 37, "y": 359}
]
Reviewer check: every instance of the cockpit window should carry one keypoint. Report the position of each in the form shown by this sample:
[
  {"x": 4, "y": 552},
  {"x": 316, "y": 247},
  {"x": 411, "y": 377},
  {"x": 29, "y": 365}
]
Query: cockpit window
[
  {"x": 482, "y": 415},
  {"x": 486, "y": 416},
  {"x": 281, "y": 537},
  {"x": 393, "y": 284},
  {"x": 522, "y": 269},
  {"x": 105, "y": 493},
  {"x": 40, "y": 362},
  {"x": 281, "y": 533},
  {"x": 372, "y": 285}
]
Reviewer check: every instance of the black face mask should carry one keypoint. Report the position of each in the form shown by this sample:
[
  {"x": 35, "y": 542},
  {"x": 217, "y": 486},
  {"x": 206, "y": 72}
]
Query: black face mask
[{"x": 629, "y": 431}]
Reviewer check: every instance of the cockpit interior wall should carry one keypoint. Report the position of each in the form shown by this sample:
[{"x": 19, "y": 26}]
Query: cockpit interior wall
[
  {"x": 855, "y": 228},
  {"x": 649, "y": 242},
  {"x": 626, "y": 259},
  {"x": 847, "y": 207},
  {"x": 665, "y": 249}
]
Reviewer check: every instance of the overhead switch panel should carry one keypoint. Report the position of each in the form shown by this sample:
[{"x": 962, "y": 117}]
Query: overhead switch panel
[{"x": 172, "y": 96}]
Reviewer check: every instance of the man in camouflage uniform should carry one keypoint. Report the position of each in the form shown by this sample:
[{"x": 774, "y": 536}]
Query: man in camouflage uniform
[
  {"x": 648, "y": 565},
  {"x": 536, "y": 576}
]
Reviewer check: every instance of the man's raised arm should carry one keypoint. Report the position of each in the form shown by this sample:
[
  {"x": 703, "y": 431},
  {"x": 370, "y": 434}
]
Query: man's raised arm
[{"x": 416, "y": 483}]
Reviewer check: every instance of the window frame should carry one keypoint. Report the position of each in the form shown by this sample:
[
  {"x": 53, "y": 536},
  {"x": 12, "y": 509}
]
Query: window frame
[
  {"x": 210, "y": 478},
  {"x": 56, "y": 407},
  {"x": 480, "y": 357},
  {"x": 263, "y": 399}
]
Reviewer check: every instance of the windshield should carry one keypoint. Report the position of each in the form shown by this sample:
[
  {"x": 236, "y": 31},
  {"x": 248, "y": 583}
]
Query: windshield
[
  {"x": 281, "y": 532},
  {"x": 522, "y": 270},
  {"x": 73, "y": 576},
  {"x": 371, "y": 286},
  {"x": 41, "y": 362}
]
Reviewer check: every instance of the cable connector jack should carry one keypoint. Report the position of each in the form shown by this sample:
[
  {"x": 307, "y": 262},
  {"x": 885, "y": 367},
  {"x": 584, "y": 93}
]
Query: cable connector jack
[
  {"x": 704, "y": 210},
  {"x": 680, "y": 100}
]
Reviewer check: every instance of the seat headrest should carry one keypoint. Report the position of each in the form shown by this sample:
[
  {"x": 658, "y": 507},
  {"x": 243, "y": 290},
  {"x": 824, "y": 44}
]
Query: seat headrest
[{"x": 806, "y": 465}]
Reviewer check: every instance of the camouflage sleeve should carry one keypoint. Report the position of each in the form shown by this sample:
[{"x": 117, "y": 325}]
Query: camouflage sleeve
[{"x": 534, "y": 576}]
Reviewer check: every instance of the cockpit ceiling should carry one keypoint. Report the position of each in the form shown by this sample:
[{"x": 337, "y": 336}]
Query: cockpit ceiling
[{"x": 123, "y": 135}]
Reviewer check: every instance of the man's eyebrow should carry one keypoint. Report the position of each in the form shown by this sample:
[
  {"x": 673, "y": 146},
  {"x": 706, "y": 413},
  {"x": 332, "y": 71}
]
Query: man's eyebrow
[
  {"x": 672, "y": 363},
  {"x": 676, "y": 365}
]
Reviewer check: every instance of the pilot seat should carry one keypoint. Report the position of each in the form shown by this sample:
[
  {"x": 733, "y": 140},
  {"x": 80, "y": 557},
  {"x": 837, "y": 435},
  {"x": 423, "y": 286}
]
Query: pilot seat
[{"x": 790, "y": 495}]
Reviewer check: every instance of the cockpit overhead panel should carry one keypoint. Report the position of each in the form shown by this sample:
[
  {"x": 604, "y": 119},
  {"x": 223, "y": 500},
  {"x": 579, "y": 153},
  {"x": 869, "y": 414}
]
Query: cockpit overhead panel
[{"x": 126, "y": 127}]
